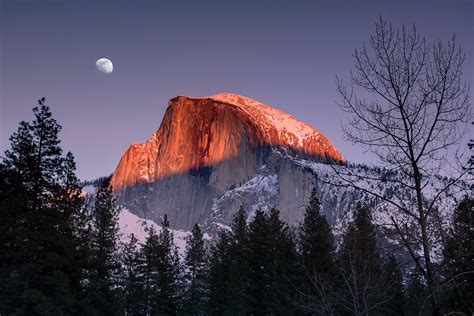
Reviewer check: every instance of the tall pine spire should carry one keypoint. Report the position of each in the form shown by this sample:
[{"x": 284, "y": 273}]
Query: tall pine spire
[
  {"x": 316, "y": 247},
  {"x": 196, "y": 273},
  {"x": 40, "y": 198}
]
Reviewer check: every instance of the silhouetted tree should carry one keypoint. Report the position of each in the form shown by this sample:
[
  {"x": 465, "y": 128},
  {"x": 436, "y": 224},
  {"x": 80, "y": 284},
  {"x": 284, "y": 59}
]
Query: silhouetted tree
[
  {"x": 168, "y": 277},
  {"x": 417, "y": 296},
  {"x": 459, "y": 259},
  {"x": 361, "y": 284},
  {"x": 416, "y": 113},
  {"x": 133, "y": 281},
  {"x": 316, "y": 247},
  {"x": 104, "y": 260},
  {"x": 272, "y": 262},
  {"x": 40, "y": 199},
  {"x": 149, "y": 270},
  {"x": 259, "y": 257},
  {"x": 238, "y": 296},
  {"x": 283, "y": 263},
  {"x": 394, "y": 289},
  {"x": 195, "y": 302},
  {"x": 220, "y": 264}
]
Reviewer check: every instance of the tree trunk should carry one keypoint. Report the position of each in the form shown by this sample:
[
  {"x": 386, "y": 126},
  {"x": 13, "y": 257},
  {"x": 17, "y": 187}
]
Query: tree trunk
[{"x": 425, "y": 242}]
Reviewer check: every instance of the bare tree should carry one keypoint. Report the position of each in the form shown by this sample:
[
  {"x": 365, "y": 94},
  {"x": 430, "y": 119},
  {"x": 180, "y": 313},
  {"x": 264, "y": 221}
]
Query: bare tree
[{"x": 408, "y": 105}]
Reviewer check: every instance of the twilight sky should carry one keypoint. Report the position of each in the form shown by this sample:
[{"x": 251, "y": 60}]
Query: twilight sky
[{"x": 283, "y": 53}]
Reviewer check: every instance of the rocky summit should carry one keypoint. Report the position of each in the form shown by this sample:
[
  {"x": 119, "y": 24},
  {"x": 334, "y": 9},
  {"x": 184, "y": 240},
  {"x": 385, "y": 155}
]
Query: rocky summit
[
  {"x": 207, "y": 147},
  {"x": 213, "y": 154}
]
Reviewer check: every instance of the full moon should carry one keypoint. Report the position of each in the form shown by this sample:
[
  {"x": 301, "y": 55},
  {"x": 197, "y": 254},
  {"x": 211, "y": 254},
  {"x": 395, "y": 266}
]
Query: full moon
[{"x": 104, "y": 65}]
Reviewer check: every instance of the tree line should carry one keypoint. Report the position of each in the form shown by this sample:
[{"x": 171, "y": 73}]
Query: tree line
[{"x": 60, "y": 254}]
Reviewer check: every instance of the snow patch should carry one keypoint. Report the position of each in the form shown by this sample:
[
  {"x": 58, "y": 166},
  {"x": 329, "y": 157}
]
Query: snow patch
[{"x": 130, "y": 223}]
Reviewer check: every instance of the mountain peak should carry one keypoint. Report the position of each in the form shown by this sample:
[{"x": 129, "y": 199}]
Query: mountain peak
[
  {"x": 203, "y": 131},
  {"x": 291, "y": 131}
]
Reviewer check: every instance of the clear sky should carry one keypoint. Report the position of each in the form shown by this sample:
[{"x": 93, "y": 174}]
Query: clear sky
[{"x": 283, "y": 53}]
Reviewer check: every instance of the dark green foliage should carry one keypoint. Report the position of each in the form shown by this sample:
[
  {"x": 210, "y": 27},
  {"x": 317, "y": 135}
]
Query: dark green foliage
[
  {"x": 260, "y": 271},
  {"x": 238, "y": 295},
  {"x": 316, "y": 240},
  {"x": 40, "y": 202},
  {"x": 166, "y": 300},
  {"x": 132, "y": 276},
  {"x": 459, "y": 260},
  {"x": 283, "y": 266},
  {"x": 271, "y": 264},
  {"x": 361, "y": 283},
  {"x": 394, "y": 290},
  {"x": 316, "y": 247},
  {"x": 149, "y": 270},
  {"x": 417, "y": 295},
  {"x": 220, "y": 263},
  {"x": 104, "y": 262},
  {"x": 161, "y": 273},
  {"x": 196, "y": 275}
]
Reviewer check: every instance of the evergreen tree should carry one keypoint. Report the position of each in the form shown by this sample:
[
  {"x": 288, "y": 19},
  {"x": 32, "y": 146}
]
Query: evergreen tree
[
  {"x": 220, "y": 263},
  {"x": 394, "y": 290},
  {"x": 316, "y": 246},
  {"x": 459, "y": 259},
  {"x": 133, "y": 282},
  {"x": 168, "y": 267},
  {"x": 196, "y": 265},
  {"x": 39, "y": 195},
  {"x": 239, "y": 266},
  {"x": 360, "y": 266},
  {"x": 417, "y": 296},
  {"x": 78, "y": 232},
  {"x": 259, "y": 256},
  {"x": 104, "y": 261},
  {"x": 283, "y": 266},
  {"x": 149, "y": 270}
]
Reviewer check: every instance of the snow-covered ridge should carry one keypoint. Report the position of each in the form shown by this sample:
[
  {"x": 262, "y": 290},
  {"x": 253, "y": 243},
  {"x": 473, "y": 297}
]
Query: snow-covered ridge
[
  {"x": 132, "y": 224},
  {"x": 263, "y": 186}
]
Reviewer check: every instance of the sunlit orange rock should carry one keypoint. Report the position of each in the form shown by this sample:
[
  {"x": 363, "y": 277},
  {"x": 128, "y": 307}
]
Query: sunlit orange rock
[{"x": 196, "y": 132}]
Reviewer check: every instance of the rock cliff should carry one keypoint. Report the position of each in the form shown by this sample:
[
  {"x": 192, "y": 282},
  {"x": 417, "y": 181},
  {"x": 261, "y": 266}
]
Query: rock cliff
[{"x": 208, "y": 147}]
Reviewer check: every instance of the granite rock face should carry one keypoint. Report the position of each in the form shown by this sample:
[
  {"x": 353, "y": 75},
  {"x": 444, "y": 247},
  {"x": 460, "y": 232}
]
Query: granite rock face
[{"x": 213, "y": 154}]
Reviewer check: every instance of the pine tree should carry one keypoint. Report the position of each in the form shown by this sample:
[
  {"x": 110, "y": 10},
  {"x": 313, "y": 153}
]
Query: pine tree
[
  {"x": 168, "y": 267},
  {"x": 104, "y": 261},
  {"x": 239, "y": 267},
  {"x": 38, "y": 270},
  {"x": 133, "y": 282},
  {"x": 459, "y": 259},
  {"x": 196, "y": 265},
  {"x": 149, "y": 270},
  {"x": 394, "y": 290},
  {"x": 220, "y": 263},
  {"x": 360, "y": 265},
  {"x": 283, "y": 266},
  {"x": 259, "y": 257},
  {"x": 316, "y": 246},
  {"x": 417, "y": 296},
  {"x": 78, "y": 231}
]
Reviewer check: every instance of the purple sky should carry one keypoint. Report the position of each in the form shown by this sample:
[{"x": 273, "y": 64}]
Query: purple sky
[{"x": 283, "y": 53}]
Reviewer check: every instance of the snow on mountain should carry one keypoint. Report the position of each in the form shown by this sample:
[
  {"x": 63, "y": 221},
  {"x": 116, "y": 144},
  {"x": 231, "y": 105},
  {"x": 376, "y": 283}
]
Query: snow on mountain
[
  {"x": 131, "y": 224},
  {"x": 343, "y": 199},
  {"x": 212, "y": 155},
  {"x": 208, "y": 145},
  {"x": 198, "y": 131},
  {"x": 263, "y": 186}
]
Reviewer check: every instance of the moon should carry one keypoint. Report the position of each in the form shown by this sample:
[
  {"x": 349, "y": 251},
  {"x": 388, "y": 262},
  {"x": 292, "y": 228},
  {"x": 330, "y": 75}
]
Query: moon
[{"x": 104, "y": 65}]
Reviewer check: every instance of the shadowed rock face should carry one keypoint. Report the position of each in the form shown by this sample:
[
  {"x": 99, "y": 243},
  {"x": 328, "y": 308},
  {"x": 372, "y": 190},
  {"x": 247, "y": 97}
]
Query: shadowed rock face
[{"x": 208, "y": 146}]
